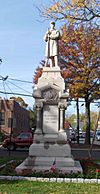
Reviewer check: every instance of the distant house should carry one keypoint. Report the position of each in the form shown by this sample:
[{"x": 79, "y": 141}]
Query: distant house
[
  {"x": 13, "y": 117},
  {"x": 67, "y": 125}
]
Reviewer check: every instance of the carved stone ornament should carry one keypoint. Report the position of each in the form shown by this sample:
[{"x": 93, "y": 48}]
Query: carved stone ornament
[
  {"x": 38, "y": 105},
  {"x": 61, "y": 105},
  {"x": 50, "y": 94}
]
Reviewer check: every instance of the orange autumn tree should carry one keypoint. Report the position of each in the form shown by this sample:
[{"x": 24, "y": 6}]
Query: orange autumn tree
[
  {"x": 79, "y": 51},
  {"x": 37, "y": 74},
  {"x": 73, "y": 10}
]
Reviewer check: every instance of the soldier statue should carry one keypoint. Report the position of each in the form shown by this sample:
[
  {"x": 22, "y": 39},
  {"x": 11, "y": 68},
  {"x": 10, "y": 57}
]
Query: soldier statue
[{"x": 51, "y": 37}]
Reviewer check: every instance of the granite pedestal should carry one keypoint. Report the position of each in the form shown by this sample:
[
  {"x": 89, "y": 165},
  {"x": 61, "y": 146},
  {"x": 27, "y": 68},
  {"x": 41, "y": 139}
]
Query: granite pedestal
[{"x": 50, "y": 140}]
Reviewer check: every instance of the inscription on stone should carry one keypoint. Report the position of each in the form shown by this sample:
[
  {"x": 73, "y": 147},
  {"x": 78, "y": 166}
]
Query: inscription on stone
[{"x": 50, "y": 119}]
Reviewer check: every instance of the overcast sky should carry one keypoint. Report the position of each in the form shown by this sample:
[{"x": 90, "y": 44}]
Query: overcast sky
[{"x": 21, "y": 45}]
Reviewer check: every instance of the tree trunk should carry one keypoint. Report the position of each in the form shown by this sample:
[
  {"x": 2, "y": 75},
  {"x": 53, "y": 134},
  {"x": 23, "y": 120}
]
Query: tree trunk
[
  {"x": 95, "y": 129},
  {"x": 87, "y": 114},
  {"x": 77, "y": 106}
]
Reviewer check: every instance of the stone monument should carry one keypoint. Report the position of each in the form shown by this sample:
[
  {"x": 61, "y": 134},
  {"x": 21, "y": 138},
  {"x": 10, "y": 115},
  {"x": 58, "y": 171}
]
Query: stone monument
[{"x": 50, "y": 140}]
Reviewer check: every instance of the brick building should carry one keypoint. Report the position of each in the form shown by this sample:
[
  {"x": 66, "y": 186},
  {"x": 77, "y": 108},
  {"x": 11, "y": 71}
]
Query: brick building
[{"x": 11, "y": 113}]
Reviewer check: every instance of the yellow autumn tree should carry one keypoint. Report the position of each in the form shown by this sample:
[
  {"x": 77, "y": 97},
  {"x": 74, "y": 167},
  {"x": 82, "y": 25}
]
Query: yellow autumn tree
[
  {"x": 73, "y": 10},
  {"x": 79, "y": 55},
  {"x": 20, "y": 101}
]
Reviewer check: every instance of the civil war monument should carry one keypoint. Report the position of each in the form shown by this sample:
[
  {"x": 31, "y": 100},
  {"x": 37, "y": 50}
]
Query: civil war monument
[{"x": 50, "y": 140}]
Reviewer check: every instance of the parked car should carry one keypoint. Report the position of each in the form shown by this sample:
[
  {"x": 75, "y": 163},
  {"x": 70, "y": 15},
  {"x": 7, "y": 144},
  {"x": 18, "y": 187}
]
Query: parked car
[
  {"x": 82, "y": 134},
  {"x": 91, "y": 134},
  {"x": 72, "y": 137},
  {"x": 24, "y": 139},
  {"x": 97, "y": 135}
]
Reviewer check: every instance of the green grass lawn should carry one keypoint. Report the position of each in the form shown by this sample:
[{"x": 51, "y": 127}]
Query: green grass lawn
[
  {"x": 8, "y": 158},
  {"x": 89, "y": 169},
  {"x": 28, "y": 187}
]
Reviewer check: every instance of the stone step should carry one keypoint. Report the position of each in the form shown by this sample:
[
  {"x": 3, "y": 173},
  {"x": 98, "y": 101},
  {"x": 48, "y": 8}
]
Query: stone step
[
  {"x": 49, "y": 149},
  {"x": 48, "y": 161}
]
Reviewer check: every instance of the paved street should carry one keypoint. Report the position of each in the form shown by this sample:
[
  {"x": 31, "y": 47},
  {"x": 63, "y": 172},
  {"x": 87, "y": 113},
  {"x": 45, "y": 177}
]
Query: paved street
[
  {"x": 76, "y": 152},
  {"x": 83, "y": 153},
  {"x": 95, "y": 142},
  {"x": 18, "y": 152}
]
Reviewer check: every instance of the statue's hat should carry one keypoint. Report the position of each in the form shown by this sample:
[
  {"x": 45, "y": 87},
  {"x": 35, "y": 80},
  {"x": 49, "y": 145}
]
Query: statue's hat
[{"x": 52, "y": 22}]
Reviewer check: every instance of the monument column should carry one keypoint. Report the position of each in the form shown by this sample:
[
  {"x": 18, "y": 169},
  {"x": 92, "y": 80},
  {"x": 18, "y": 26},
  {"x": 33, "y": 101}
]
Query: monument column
[
  {"x": 38, "y": 122},
  {"x": 62, "y": 108},
  {"x": 62, "y": 137}
]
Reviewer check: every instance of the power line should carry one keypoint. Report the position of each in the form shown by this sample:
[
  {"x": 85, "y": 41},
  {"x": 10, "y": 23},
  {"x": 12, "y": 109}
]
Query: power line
[
  {"x": 83, "y": 101},
  {"x": 14, "y": 93},
  {"x": 18, "y": 87},
  {"x": 20, "y": 80},
  {"x": 20, "y": 94},
  {"x": 5, "y": 80},
  {"x": 9, "y": 87},
  {"x": 25, "y": 81}
]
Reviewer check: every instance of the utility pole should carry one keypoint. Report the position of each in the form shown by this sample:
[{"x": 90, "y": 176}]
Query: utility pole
[
  {"x": 10, "y": 124},
  {"x": 0, "y": 60}
]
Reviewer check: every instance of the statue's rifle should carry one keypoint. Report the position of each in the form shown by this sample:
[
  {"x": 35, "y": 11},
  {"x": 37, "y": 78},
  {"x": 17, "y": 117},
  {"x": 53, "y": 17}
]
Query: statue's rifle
[{"x": 48, "y": 44}]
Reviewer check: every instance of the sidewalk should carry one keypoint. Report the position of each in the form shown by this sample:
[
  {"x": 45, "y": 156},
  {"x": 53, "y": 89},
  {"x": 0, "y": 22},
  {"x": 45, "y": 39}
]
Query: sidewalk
[
  {"x": 53, "y": 179},
  {"x": 83, "y": 146}
]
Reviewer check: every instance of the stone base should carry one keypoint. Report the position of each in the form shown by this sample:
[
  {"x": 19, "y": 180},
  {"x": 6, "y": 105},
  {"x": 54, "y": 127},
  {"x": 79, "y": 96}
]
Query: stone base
[
  {"x": 47, "y": 149},
  {"x": 51, "y": 137},
  {"x": 48, "y": 161},
  {"x": 62, "y": 137},
  {"x": 55, "y": 137},
  {"x": 42, "y": 156},
  {"x": 68, "y": 169},
  {"x": 26, "y": 169}
]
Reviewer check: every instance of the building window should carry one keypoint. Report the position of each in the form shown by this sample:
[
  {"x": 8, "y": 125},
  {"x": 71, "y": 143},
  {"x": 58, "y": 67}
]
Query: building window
[{"x": 2, "y": 118}]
